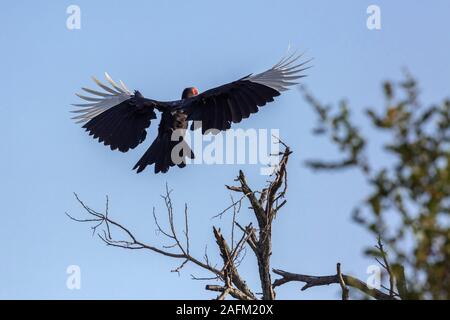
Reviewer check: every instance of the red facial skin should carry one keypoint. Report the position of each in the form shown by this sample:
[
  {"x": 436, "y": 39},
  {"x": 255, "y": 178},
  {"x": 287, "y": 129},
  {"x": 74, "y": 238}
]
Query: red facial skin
[{"x": 194, "y": 91}]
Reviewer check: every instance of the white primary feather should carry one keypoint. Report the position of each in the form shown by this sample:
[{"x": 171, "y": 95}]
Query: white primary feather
[
  {"x": 283, "y": 74},
  {"x": 100, "y": 101}
]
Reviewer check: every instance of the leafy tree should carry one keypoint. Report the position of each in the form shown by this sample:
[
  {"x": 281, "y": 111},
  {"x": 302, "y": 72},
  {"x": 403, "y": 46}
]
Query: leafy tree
[{"x": 409, "y": 204}]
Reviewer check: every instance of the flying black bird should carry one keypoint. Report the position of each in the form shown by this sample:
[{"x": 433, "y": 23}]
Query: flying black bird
[{"x": 119, "y": 118}]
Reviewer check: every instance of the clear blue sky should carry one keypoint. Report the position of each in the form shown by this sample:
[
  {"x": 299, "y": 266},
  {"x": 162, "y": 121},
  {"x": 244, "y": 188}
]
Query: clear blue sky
[{"x": 160, "y": 47}]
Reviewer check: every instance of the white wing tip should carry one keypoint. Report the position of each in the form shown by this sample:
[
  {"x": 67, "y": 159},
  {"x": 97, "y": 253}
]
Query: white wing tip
[
  {"x": 101, "y": 101},
  {"x": 280, "y": 77}
]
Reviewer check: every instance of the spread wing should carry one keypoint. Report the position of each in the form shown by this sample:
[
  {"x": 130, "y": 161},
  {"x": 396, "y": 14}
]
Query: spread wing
[
  {"x": 230, "y": 103},
  {"x": 114, "y": 115}
]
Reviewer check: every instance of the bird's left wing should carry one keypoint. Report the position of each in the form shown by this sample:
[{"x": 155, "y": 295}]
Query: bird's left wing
[
  {"x": 230, "y": 103},
  {"x": 115, "y": 115}
]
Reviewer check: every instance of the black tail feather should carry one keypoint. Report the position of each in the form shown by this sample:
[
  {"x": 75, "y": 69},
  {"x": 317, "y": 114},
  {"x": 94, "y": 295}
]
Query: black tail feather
[{"x": 160, "y": 154}]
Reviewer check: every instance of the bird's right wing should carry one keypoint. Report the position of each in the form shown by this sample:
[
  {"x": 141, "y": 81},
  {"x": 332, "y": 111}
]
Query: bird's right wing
[
  {"x": 115, "y": 116},
  {"x": 217, "y": 108}
]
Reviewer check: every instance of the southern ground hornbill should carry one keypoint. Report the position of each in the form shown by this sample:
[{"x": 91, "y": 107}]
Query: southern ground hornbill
[{"x": 119, "y": 118}]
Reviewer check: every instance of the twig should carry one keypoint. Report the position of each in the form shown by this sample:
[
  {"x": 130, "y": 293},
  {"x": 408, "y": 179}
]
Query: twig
[
  {"x": 133, "y": 243},
  {"x": 387, "y": 267},
  {"x": 342, "y": 282}
]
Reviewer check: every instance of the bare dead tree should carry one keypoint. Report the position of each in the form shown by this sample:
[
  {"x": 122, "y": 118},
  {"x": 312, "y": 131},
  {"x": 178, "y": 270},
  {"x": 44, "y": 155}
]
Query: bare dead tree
[{"x": 264, "y": 203}]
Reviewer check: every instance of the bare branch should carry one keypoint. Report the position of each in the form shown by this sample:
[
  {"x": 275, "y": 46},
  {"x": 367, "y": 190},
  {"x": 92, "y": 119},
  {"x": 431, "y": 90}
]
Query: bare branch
[
  {"x": 229, "y": 268},
  {"x": 314, "y": 281},
  {"x": 232, "y": 188},
  {"x": 235, "y": 293}
]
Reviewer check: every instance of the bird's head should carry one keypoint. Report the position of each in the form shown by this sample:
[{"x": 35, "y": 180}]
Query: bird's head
[{"x": 189, "y": 92}]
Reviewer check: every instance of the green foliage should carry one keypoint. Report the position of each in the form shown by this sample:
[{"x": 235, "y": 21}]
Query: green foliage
[{"x": 409, "y": 205}]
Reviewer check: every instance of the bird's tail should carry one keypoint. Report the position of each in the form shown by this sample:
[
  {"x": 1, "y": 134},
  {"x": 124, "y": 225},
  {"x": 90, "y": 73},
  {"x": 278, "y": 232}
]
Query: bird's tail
[{"x": 165, "y": 153}]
